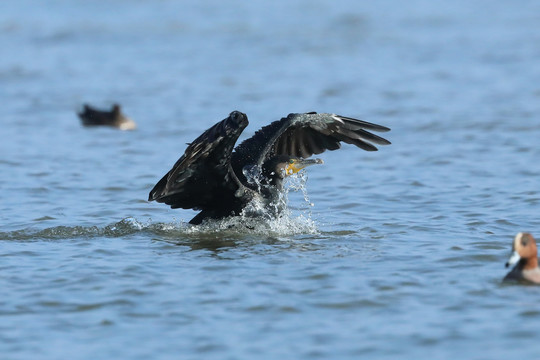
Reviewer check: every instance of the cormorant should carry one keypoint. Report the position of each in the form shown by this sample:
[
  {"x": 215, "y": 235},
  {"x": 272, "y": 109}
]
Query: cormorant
[
  {"x": 220, "y": 182},
  {"x": 93, "y": 117}
]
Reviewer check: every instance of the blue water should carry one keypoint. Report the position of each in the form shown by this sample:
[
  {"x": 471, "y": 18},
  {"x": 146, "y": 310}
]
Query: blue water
[{"x": 394, "y": 254}]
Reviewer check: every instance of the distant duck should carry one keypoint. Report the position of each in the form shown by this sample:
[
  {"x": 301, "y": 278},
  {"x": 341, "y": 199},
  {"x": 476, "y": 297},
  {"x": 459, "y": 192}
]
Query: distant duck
[
  {"x": 93, "y": 117},
  {"x": 524, "y": 257}
]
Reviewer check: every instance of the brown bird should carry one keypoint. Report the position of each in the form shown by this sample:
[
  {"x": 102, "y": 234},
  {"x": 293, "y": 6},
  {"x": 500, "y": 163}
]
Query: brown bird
[{"x": 524, "y": 257}]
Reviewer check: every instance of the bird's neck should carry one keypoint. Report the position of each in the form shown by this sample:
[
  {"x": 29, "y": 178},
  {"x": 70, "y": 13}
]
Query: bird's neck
[{"x": 531, "y": 263}]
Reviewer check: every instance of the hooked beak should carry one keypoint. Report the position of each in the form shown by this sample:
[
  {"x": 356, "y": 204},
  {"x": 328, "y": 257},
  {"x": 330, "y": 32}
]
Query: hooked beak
[
  {"x": 514, "y": 259},
  {"x": 299, "y": 164}
]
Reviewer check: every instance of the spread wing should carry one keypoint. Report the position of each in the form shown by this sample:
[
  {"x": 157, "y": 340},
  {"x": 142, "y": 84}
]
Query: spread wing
[
  {"x": 303, "y": 135},
  {"x": 203, "y": 176}
]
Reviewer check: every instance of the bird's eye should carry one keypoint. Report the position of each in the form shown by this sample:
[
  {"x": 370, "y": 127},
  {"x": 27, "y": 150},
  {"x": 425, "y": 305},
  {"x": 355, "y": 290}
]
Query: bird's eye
[{"x": 291, "y": 161}]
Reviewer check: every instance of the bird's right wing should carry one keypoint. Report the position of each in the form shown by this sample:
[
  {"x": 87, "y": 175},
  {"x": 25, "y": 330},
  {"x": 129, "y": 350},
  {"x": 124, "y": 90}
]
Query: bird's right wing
[{"x": 203, "y": 174}]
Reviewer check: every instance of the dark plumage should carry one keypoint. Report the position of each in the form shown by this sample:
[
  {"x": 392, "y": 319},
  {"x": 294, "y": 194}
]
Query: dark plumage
[
  {"x": 220, "y": 182},
  {"x": 93, "y": 117}
]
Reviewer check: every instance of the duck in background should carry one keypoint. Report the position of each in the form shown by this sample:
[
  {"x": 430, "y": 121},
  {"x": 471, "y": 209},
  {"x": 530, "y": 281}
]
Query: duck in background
[
  {"x": 114, "y": 118},
  {"x": 524, "y": 257}
]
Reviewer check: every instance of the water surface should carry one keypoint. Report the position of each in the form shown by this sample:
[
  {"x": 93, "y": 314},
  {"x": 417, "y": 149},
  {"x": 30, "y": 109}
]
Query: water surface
[{"x": 395, "y": 253}]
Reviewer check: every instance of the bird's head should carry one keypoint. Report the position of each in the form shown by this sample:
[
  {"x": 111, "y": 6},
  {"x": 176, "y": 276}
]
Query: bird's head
[
  {"x": 279, "y": 167},
  {"x": 120, "y": 120},
  {"x": 524, "y": 250}
]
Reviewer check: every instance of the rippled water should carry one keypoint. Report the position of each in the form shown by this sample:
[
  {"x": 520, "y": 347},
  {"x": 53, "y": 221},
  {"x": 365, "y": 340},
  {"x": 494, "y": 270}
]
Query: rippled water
[{"x": 398, "y": 253}]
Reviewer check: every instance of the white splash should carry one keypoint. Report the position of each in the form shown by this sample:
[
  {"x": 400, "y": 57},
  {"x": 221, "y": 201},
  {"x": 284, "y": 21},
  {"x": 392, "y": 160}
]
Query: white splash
[{"x": 258, "y": 218}]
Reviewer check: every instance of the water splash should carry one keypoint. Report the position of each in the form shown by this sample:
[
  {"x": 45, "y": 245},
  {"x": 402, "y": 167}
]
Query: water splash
[
  {"x": 297, "y": 183},
  {"x": 277, "y": 217},
  {"x": 253, "y": 174},
  {"x": 257, "y": 219},
  {"x": 282, "y": 225}
]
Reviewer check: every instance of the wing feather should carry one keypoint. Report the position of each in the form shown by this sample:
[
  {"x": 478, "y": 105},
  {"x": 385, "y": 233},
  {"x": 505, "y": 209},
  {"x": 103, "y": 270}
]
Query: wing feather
[
  {"x": 304, "y": 145},
  {"x": 203, "y": 175},
  {"x": 303, "y": 135}
]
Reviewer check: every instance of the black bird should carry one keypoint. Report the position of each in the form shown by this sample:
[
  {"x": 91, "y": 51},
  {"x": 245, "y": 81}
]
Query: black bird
[
  {"x": 93, "y": 117},
  {"x": 220, "y": 182}
]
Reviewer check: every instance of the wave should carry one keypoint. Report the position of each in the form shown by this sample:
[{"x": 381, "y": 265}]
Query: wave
[
  {"x": 290, "y": 221},
  {"x": 121, "y": 228},
  {"x": 281, "y": 226}
]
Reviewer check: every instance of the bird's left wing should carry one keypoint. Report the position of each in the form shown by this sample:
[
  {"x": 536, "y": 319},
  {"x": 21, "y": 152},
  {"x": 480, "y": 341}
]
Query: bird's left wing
[{"x": 303, "y": 135}]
